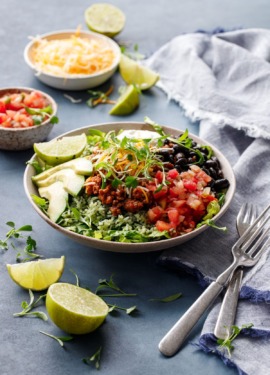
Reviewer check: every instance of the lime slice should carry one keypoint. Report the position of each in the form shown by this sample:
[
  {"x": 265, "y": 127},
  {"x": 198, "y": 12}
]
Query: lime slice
[
  {"x": 61, "y": 150},
  {"x": 105, "y": 19},
  {"x": 127, "y": 102},
  {"x": 74, "y": 309},
  {"x": 37, "y": 275},
  {"x": 134, "y": 73}
]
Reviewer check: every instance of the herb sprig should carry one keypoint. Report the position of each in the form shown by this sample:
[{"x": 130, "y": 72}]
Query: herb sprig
[
  {"x": 59, "y": 339},
  {"x": 227, "y": 343},
  {"x": 95, "y": 358},
  {"x": 105, "y": 284},
  {"x": 29, "y": 306},
  {"x": 18, "y": 233},
  {"x": 170, "y": 298}
]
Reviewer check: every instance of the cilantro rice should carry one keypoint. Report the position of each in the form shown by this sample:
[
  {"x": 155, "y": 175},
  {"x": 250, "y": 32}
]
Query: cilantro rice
[{"x": 89, "y": 217}]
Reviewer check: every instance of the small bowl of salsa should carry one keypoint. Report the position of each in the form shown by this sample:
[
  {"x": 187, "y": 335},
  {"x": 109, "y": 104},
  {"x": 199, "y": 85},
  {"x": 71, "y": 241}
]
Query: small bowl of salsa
[{"x": 26, "y": 116}]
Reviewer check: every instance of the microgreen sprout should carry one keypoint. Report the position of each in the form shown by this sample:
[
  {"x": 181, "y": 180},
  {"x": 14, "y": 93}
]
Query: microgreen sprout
[
  {"x": 128, "y": 310},
  {"x": 76, "y": 277},
  {"x": 59, "y": 339},
  {"x": 170, "y": 298},
  {"x": 227, "y": 342},
  {"x": 16, "y": 234},
  {"x": 95, "y": 358},
  {"x": 28, "y": 306},
  {"x": 110, "y": 284}
]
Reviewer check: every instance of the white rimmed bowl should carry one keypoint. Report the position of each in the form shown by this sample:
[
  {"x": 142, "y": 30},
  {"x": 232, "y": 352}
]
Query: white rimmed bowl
[
  {"x": 73, "y": 82},
  {"x": 30, "y": 188},
  {"x": 23, "y": 138}
]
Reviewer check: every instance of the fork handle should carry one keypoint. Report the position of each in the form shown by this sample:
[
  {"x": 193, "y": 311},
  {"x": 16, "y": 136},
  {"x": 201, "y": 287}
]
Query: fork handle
[
  {"x": 228, "y": 308},
  {"x": 173, "y": 340}
]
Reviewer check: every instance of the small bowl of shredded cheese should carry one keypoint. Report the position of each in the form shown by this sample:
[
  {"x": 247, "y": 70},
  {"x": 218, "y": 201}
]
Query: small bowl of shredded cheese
[{"x": 72, "y": 60}]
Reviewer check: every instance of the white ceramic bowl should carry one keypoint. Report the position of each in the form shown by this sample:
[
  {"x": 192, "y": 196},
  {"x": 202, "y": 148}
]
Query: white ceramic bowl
[
  {"x": 24, "y": 138},
  {"x": 132, "y": 247},
  {"x": 73, "y": 82}
]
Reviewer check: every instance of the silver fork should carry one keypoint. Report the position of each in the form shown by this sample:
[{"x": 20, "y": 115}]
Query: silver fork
[
  {"x": 246, "y": 252},
  {"x": 226, "y": 317}
]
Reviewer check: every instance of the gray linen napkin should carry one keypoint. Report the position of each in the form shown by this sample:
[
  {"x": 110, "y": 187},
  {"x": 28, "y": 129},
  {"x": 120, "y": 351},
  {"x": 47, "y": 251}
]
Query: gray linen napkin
[{"x": 224, "y": 81}]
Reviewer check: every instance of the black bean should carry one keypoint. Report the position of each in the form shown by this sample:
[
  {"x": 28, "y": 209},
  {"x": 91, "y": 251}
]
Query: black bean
[
  {"x": 214, "y": 158},
  {"x": 179, "y": 148},
  {"x": 166, "y": 141},
  {"x": 213, "y": 173},
  {"x": 211, "y": 164},
  {"x": 223, "y": 183},
  {"x": 179, "y": 155},
  {"x": 165, "y": 154},
  {"x": 220, "y": 173},
  {"x": 192, "y": 160},
  {"x": 179, "y": 168},
  {"x": 206, "y": 170},
  {"x": 181, "y": 161}
]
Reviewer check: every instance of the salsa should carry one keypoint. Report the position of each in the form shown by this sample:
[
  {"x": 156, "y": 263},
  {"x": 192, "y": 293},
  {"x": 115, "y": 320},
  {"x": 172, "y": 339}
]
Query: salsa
[{"x": 24, "y": 109}]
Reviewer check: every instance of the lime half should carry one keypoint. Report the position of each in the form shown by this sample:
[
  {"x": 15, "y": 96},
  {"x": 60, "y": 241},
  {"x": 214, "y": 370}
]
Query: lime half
[
  {"x": 127, "y": 102},
  {"x": 134, "y": 73},
  {"x": 61, "y": 150},
  {"x": 105, "y": 19},
  {"x": 74, "y": 309},
  {"x": 37, "y": 275}
]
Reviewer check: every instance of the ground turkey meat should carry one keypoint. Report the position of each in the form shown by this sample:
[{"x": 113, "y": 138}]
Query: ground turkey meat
[{"x": 117, "y": 198}]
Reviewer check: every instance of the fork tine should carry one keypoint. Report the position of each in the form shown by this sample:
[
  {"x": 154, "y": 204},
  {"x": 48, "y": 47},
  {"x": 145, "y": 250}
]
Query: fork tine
[
  {"x": 258, "y": 242},
  {"x": 246, "y": 235},
  {"x": 262, "y": 249}
]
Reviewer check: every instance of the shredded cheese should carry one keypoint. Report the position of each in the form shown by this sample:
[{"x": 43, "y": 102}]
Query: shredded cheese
[{"x": 72, "y": 56}]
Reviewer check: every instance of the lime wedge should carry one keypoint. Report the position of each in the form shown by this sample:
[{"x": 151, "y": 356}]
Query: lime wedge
[
  {"x": 127, "y": 102},
  {"x": 74, "y": 309},
  {"x": 61, "y": 150},
  {"x": 105, "y": 19},
  {"x": 37, "y": 275},
  {"x": 134, "y": 73}
]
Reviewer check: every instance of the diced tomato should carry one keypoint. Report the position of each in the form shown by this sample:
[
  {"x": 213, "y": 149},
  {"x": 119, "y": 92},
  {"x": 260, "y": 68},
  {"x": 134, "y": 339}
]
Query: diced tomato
[
  {"x": 159, "y": 193},
  {"x": 190, "y": 185},
  {"x": 173, "y": 174},
  {"x": 155, "y": 214},
  {"x": 159, "y": 176},
  {"x": 5, "y": 121},
  {"x": 13, "y": 107},
  {"x": 2, "y": 107},
  {"x": 210, "y": 198},
  {"x": 178, "y": 203},
  {"x": 173, "y": 216},
  {"x": 35, "y": 100},
  {"x": 162, "y": 225}
]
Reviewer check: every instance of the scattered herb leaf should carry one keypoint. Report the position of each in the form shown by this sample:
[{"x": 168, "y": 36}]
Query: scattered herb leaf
[
  {"x": 94, "y": 358},
  {"x": 171, "y": 298},
  {"x": 60, "y": 339},
  {"x": 128, "y": 310},
  {"x": 76, "y": 277},
  {"x": 227, "y": 343},
  {"x": 105, "y": 284},
  {"x": 27, "y": 307},
  {"x": 15, "y": 234}
]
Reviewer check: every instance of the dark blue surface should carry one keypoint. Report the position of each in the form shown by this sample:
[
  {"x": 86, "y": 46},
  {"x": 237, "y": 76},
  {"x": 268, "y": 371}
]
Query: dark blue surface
[{"x": 129, "y": 342}]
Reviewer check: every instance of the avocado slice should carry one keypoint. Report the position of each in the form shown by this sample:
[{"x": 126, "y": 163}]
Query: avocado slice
[
  {"x": 57, "y": 197},
  {"x": 72, "y": 182},
  {"x": 81, "y": 166}
]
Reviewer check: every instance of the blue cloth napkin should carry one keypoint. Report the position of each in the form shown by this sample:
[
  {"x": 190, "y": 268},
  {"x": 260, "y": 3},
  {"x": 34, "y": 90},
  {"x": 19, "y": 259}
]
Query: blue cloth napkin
[{"x": 223, "y": 80}]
